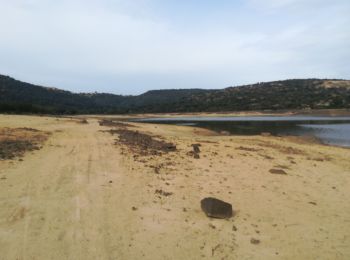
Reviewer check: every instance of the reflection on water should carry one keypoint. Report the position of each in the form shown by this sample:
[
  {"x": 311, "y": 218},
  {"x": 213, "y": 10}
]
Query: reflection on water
[
  {"x": 331, "y": 130},
  {"x": 338, "y": 134}
]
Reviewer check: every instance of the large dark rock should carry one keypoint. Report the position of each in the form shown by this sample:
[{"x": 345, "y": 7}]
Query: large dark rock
[{"x": 216, "y": 208}]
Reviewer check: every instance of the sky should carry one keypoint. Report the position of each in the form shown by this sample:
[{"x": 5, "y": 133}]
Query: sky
[{"x": 129, "y": 47}]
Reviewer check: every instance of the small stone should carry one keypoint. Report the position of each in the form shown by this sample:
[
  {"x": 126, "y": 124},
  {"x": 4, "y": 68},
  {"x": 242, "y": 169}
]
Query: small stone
[
  {"x": 254, "y": 241},
  {"x": 278, "y": 171},
  {"x": 212, "y": 226}
]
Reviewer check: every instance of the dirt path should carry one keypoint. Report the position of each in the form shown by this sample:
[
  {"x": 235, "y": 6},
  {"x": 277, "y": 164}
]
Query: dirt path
[
  {"x": 67, "y": 201},
  {"x": 81, "y": 197}
]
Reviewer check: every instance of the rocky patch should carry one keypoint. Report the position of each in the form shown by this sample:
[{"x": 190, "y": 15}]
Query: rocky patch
[{"x": 142, "y": 143}]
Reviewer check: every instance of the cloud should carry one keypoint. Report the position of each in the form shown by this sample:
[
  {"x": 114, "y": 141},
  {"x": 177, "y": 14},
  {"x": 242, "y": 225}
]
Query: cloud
[{"x": 90, "y": 45}]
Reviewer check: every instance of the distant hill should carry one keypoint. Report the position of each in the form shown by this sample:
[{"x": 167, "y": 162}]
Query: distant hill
[{"x": 21, "y": 97}]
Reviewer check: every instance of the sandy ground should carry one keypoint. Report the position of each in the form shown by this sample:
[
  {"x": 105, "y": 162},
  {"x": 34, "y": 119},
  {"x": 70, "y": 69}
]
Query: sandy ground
[{"x": 81, "y": 197}]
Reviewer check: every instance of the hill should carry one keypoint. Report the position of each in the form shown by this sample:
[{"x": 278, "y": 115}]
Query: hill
[{"x": 21, "y": 97}]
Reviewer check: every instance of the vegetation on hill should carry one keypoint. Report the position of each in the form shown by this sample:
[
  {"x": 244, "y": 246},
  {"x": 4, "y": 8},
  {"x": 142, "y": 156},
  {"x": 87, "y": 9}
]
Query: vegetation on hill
[{"x": 21, "y": 97}]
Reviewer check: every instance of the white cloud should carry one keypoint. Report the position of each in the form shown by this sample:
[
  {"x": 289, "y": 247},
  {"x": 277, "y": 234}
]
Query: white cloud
[{"x": 51, "y": 41}]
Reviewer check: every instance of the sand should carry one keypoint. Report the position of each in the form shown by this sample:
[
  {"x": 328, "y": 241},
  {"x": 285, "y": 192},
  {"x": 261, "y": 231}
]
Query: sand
[{"x": 83, "y": 197}]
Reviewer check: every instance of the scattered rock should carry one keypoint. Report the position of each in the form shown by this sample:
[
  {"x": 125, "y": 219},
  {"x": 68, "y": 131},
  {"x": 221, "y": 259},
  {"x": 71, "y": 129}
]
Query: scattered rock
[
  {"x": 163, "y": 193},
  {"x": 254, "y": 241},
  {"x": 313, "y": 203},
  {"x": 216, "y": 208},
  {"x": 278, "y": 171},
  {"x": 134, "y": 208}
]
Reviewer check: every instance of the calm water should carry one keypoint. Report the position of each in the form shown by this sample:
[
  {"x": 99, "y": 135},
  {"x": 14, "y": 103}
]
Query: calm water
[{"x": 330, "y": 130}]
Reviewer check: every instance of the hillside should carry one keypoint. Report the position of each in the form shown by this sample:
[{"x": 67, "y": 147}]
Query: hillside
[{"x": 21, "y": 97}]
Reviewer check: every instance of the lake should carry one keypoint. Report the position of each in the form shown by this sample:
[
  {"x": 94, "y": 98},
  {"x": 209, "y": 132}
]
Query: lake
[{"x": 330, "y": 130}]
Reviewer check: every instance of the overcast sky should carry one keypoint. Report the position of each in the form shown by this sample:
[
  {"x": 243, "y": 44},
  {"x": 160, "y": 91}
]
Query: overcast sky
[{"x": 131, "y": 46}]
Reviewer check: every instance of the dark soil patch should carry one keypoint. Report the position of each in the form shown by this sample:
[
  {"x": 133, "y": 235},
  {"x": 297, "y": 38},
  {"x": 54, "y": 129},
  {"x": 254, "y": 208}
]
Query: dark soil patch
[
  {"x": 15, "y": 148},
  {"x": 28, "y": 129},
  {"x": 143, "y": 144},
  {"x": 248, "y": 149},
  {"x": 14, "y": 142},
  {"x": 112, "y": 123}
]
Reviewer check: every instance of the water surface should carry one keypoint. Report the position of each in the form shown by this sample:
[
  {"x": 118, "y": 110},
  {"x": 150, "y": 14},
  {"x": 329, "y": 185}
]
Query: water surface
[{"x": 330, "y": 130}]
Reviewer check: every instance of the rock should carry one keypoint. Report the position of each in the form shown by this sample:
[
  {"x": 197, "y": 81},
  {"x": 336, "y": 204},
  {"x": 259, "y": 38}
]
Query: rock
[
  {"x": 278, "y": 171},
  {"x": 216, "y": 208},
  {"x": 196, "y": 148}
]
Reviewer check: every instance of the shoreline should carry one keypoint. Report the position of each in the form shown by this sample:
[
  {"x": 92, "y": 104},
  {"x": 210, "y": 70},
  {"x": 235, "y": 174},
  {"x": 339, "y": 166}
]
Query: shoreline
[
  {"x": 312, "y": 138},
  {"x": 310, "y": 112}
]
